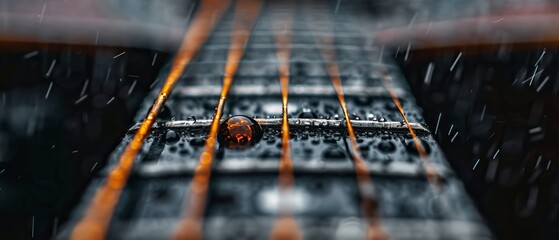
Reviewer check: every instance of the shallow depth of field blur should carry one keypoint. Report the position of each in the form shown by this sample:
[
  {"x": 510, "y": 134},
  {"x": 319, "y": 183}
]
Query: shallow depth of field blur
[{"x": 74, "y": 72}]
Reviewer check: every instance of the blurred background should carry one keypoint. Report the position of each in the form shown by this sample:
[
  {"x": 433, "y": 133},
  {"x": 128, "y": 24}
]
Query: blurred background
[{"x": 74, "y": 72}]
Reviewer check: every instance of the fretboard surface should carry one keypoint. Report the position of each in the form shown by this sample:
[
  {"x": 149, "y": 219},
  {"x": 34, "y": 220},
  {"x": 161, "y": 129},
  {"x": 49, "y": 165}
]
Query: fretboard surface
[{"x": 243, "y": 191}]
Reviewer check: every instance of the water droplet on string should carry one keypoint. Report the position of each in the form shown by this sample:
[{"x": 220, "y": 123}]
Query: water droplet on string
[{"x": 239, "y": 132}]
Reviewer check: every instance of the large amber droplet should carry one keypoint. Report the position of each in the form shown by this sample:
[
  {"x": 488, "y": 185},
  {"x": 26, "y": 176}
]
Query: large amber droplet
[{"x": 239, "y": 132}]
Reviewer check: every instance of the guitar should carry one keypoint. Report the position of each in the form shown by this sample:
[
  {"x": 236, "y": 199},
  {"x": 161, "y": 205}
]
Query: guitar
[{"x": 277, "y": 121}]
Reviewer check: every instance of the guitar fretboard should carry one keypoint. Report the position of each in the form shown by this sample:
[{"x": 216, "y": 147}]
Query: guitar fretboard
[{"x": 244, "y": 197}]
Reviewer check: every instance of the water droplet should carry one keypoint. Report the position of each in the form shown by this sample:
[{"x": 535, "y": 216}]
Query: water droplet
[
  {"x": 307, "y": 113},
  {"x": 386, "y": 146},
  {"x": 173, "y": 149},
  {"x": 315, "y": 141},
  {"x": 164, "y": 114},
  {"x": 184, "y": 152},
  {"x": 354, "y": 117},
  {"x": 190, "y": 120},
  {"x": 364, "y": 148},
  {"x": 239, "y": 132},
  {"x": 334, "y": 153},
  {"x": 171, "y": 137},
  {"x": 271, "y": 140},
  {"x": 329, "y": 139}
]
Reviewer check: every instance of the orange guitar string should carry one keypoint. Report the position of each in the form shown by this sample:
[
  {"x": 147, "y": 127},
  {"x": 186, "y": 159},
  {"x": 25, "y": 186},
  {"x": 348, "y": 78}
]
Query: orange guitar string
[
  {"x": 190, "y": 226},
  {"x": 432, "y": 175},
  {"x": 369, "y": 203},
  {"x": 285, "y": 226},
  {"x": 95, "y": 222}
]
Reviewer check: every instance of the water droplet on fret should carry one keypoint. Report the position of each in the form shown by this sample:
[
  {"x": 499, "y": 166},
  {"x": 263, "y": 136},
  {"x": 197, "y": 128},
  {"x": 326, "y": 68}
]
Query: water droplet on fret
[
  {"x": 354, "y": 117},
  {"x": 239, "y": 132},
  {"x": 190, "y": 120},
  {"x": 307, "y": 113}
]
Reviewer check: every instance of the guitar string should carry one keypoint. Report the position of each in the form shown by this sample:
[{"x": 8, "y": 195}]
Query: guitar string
[
  {"x": 432, "y": 175},
  {"x": 370, "y": 205},
  {"x": 286, "y": 225},
  {"x": 190, "y": 226},
  {"x": 94, "y": 223},
  {"x": 117, "y": 178}
]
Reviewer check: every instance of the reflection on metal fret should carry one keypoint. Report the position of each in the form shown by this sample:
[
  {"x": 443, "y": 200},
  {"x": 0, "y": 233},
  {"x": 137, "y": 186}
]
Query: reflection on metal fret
[{"x": 359, "y": 125}]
